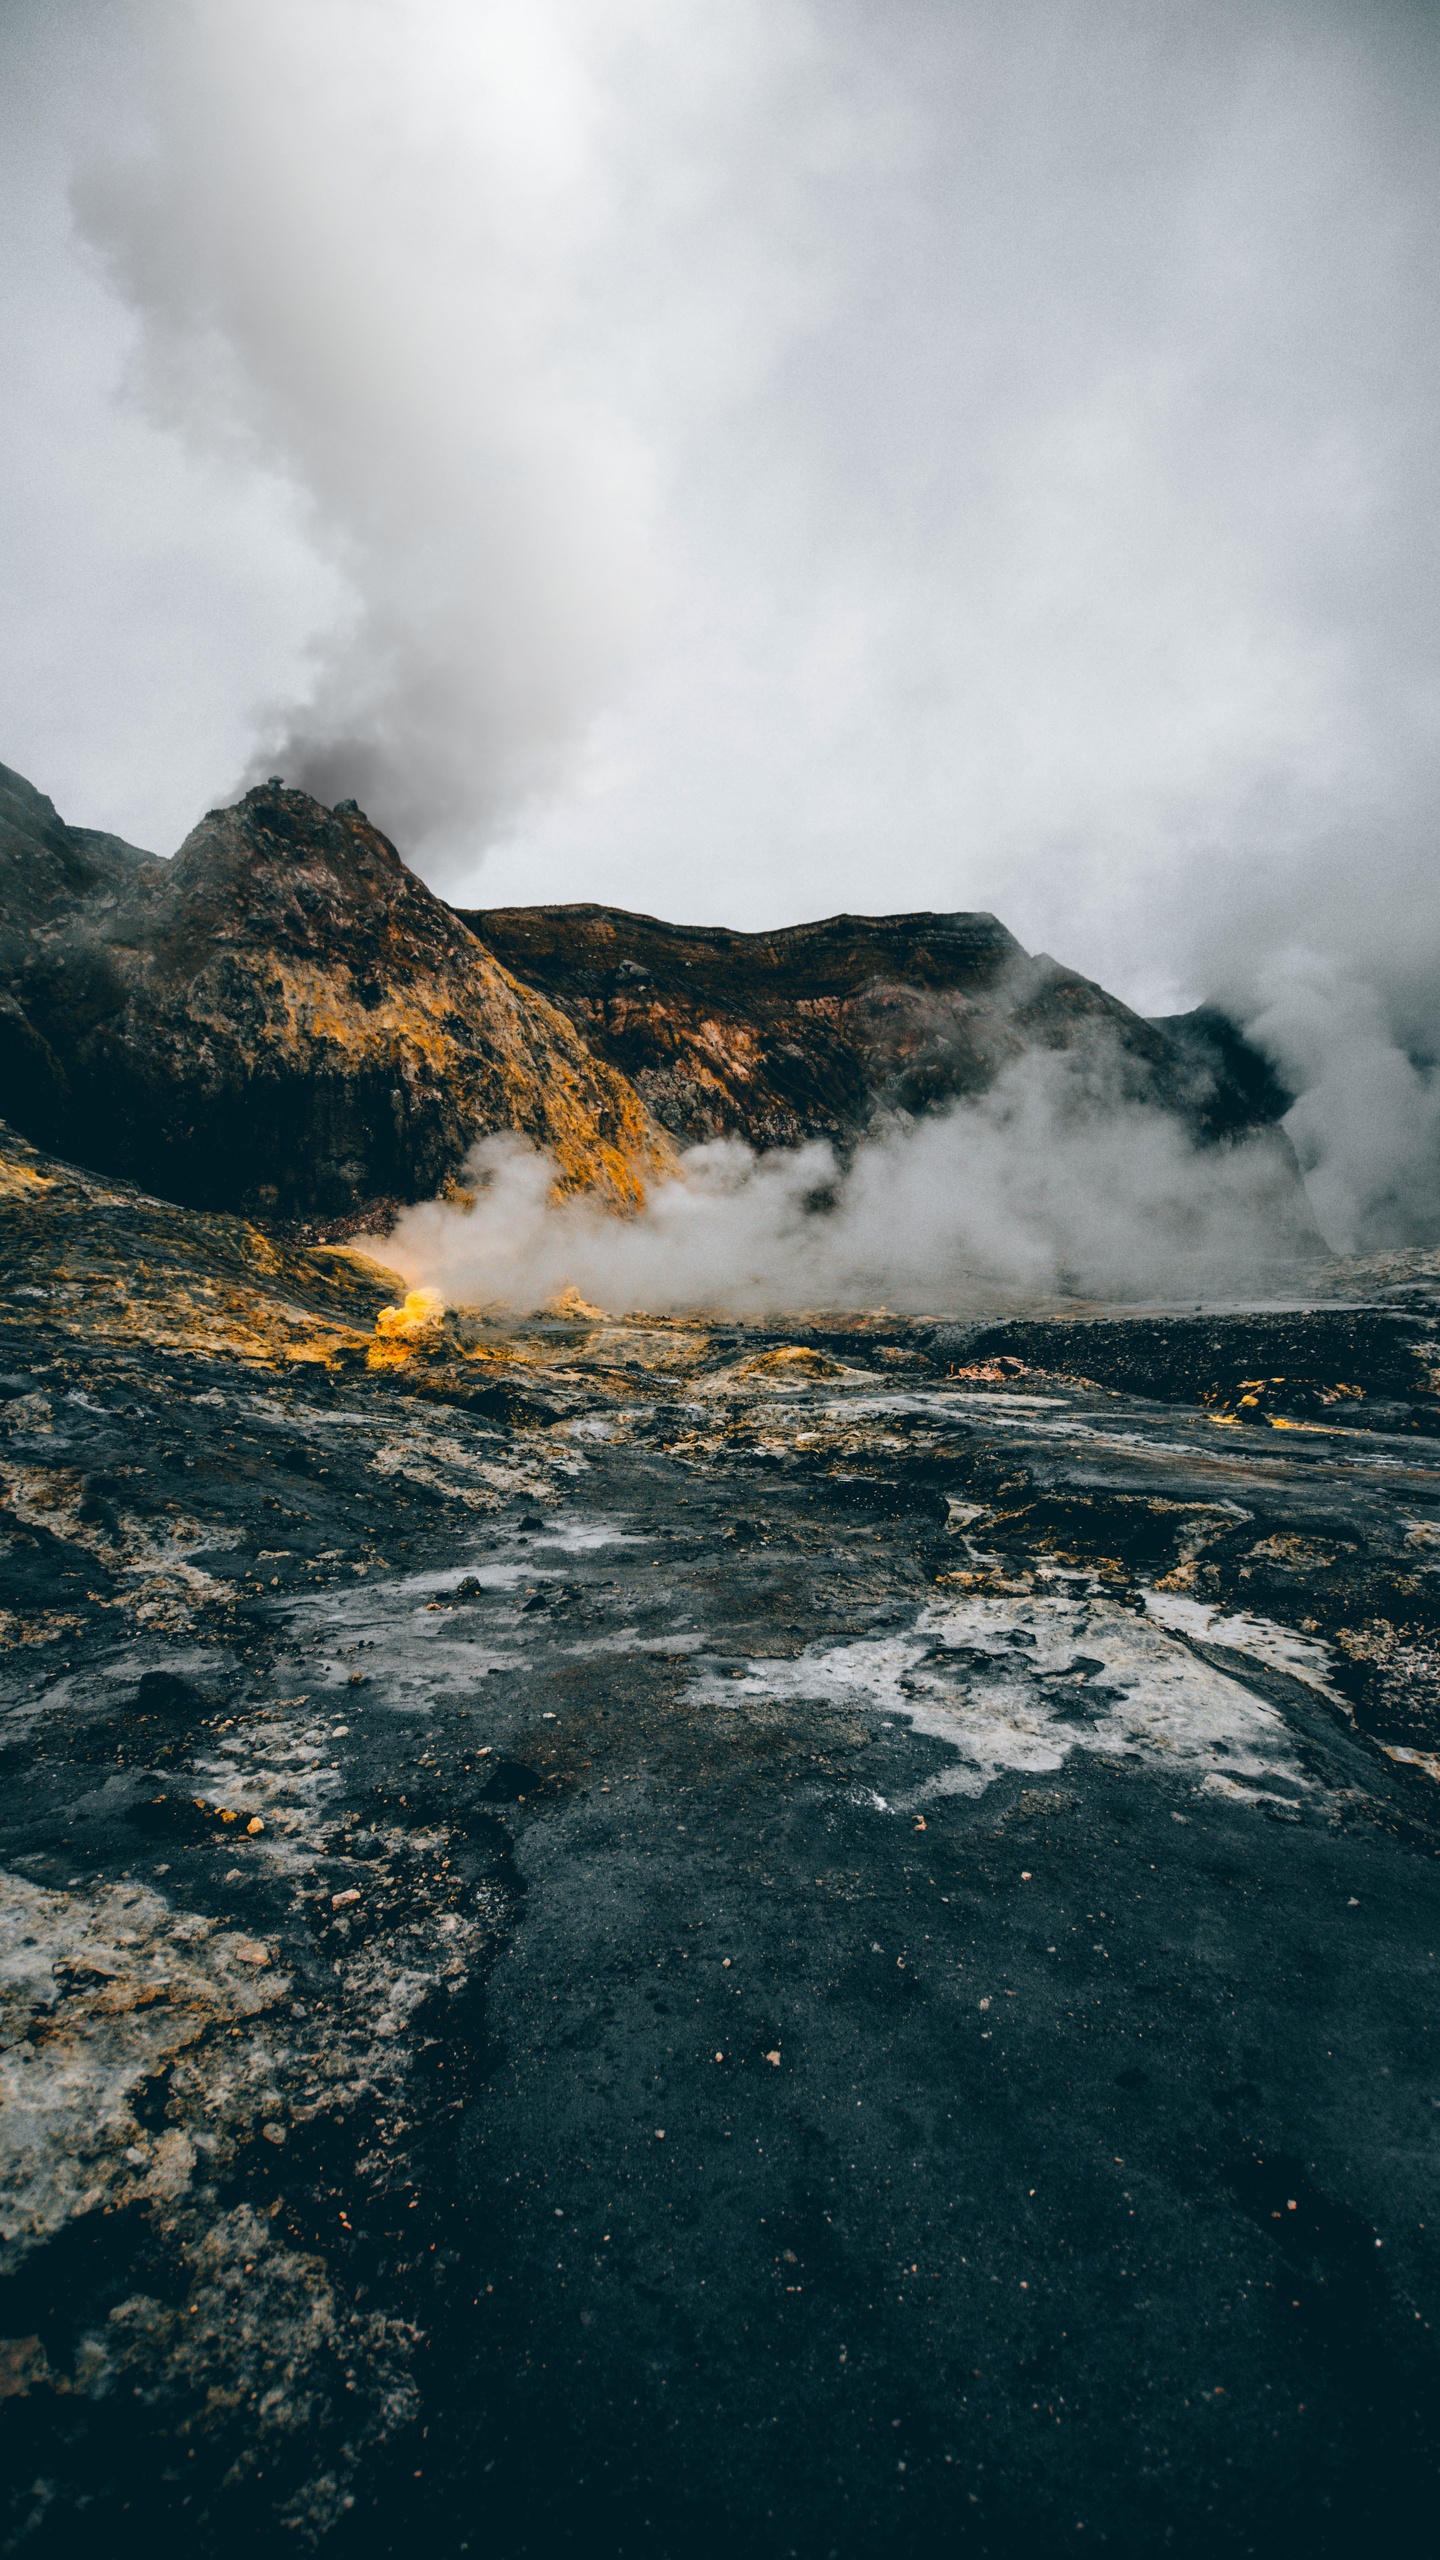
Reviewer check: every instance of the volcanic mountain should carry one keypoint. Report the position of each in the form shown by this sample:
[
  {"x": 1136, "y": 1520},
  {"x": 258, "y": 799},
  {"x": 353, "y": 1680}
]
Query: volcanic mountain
[
  {"x": 824, "y": 1030},
  {"x": 576, "y": 1887},
  {"x": 284, "y": 1020}
]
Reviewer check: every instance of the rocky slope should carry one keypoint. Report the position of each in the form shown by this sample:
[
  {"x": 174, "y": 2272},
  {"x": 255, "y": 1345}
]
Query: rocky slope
[
  {"x": 579, "y": 1897},
  {"x": 282, "y": 1019},
  {"x": 824, "y": 1030}
]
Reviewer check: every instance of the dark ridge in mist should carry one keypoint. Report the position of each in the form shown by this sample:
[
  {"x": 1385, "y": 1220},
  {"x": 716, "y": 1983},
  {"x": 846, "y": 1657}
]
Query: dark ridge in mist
[
  {"x": 1245, "y": 1080},
  {"x": 821, "y": 1030}
]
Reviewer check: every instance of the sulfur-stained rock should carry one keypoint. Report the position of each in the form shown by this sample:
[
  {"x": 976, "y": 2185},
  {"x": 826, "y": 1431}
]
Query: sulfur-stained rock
[
  {"x": 819, "y": 1030},
  {"x": 282, "y": 1019},
  {"x": 97, "y": 1260}
]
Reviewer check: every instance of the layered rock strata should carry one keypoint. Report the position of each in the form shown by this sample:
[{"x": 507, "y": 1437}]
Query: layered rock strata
[
  {"x": 283, "y": 1020},
  {"x": 826, "y": 1030}
]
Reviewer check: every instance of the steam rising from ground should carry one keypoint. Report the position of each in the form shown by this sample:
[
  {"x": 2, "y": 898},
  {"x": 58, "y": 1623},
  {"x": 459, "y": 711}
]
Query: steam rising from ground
[
  {"x": 1028, "y": 1194},
  {"x": 1366, "y": 1126},
  {"x": 747, "y": 460}
]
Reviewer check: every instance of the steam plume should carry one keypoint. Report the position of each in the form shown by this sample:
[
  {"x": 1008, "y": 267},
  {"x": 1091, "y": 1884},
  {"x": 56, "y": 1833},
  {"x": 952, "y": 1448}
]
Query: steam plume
[
  {"x": 1044, "y": 1188},
  {"x": 361, "y": 239}
]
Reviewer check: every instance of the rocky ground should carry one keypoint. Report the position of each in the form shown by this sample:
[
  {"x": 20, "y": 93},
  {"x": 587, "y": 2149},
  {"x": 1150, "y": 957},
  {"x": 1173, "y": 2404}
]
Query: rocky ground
[{"x": 609, "y": 1924}]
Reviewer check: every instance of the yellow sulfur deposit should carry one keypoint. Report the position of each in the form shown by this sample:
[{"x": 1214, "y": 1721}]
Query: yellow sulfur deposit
[
  {"x": 397, "y": 1329},
  {"x": 794, "y": 1360},
  {"x": 568, "y": 1302},
  {"x": 101, "y": 1262},
  {"x": 420, "y": 1313}
]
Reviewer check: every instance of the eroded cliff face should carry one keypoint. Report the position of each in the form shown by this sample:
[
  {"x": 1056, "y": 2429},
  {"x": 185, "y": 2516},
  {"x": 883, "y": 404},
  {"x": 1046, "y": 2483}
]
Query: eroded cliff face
[
  {"x": 282, "y": 1019},
  {"x": 824, "y": 1030}
]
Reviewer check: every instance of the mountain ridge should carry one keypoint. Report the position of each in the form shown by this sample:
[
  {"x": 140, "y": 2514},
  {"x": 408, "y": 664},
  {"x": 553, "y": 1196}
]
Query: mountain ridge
[
  {"x": 283, "y": 1020},
  {"x": 820, "y": 1029}
]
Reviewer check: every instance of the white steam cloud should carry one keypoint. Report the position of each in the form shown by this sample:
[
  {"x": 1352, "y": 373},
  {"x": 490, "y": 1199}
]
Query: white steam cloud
[
  {"x": 1047, "y": 1188},
  {"x": 361, "y": 238},
  {"x": 1366, "y": 1127},
  {"x": 748, "y": 458}
]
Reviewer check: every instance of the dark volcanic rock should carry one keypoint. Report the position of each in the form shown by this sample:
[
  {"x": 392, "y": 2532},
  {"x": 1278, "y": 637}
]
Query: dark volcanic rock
[
  {"x": 48, "y": 873},
  {"x": 823, "y": 1958},
  {"x": 281, "y": 1019},
  {"x": 1235, "y": 1083},
  {"x": 820, "y": 1029},
  {"x": 1356, "y": 1361},
  {"x": 284, "y": 1020}
]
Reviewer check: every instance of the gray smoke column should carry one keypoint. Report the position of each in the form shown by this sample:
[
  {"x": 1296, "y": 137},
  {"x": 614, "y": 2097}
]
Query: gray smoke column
[{"x": 361, "y": 239}]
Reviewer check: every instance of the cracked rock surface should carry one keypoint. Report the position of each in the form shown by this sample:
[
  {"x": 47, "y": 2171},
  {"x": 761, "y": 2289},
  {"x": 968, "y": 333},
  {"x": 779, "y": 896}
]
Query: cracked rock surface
[{"x": 638, "y": 1937}]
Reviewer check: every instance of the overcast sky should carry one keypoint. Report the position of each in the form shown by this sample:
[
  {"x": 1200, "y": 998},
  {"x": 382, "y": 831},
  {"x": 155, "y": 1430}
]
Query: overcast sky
[{"x": 746, "y": 461}]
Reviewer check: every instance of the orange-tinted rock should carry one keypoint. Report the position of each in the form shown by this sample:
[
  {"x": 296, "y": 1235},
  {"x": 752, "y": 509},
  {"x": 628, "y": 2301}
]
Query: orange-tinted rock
[
  {"x": 815, "y": 1030},
  {"x": 282, "y": 1019}
]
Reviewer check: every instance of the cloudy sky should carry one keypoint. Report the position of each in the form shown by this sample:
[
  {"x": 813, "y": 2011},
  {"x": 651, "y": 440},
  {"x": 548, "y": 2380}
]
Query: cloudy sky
[{"x": 750, "y": 460}]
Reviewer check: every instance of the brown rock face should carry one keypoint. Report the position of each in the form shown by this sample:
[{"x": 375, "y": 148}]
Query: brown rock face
[
  {"x": 282, "y": 1019},
  {"x": 820, "y": 1029}
]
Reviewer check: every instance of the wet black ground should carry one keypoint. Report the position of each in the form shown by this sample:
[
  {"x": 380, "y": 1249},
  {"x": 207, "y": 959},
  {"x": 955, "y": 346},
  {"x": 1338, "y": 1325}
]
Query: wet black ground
[{"x": 799, "y": 2155}]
